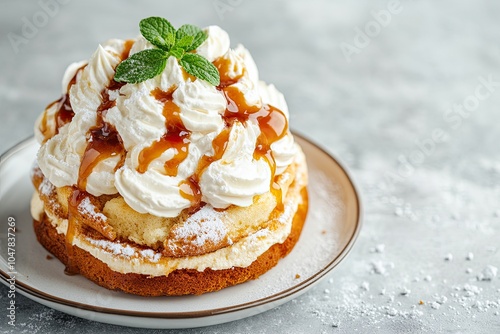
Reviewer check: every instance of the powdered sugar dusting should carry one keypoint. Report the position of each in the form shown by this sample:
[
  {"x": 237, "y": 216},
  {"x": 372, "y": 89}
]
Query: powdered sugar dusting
[
  {"x": 260, "y": 233},
  {"x": 204, "y": 226},
  {"x": 288, "y": 213},
  {"x": 87, "y": 208},
  {"x": 35, "y": 170},
  {"x": 150, "y": 254},
  {"x": 488, "y": 273},
  {"x": 46, "y": 188},
  {"x": 124, "y": 249},
  {"x": 114, "y": 247}
]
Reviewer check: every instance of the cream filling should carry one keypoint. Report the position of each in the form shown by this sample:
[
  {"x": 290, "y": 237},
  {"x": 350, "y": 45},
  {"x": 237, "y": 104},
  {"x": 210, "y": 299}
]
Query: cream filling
[{"x": 125, "y": 258}]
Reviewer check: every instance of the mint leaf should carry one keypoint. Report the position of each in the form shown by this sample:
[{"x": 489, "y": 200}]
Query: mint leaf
[
  {"x": 201, "y": 68},
  {"x": 158, "y": 31},
  {"x": 141, "y": 66},
  {"x": 177, "y": 52},
  {"x": 199, "y": 36},
  {"x": 198, "y": 39},
  {"x": 186, "y": 30},
  {"x": 149, "y": 63},
  {"x": 184, "y": 42}
]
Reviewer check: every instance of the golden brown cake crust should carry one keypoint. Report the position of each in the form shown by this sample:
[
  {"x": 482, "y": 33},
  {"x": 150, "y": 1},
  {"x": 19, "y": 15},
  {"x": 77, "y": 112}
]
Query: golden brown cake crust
[{"x": 178, "y": 282}]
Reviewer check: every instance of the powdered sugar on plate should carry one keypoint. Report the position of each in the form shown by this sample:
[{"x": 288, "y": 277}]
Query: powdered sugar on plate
[{"x": 428, "y": 254}]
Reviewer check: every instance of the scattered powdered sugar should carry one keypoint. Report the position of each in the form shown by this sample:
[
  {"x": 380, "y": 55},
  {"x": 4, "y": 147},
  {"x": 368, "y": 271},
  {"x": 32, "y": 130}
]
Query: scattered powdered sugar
[
  {"x": 151, "y": 255},
  {"x": 378, "y": 249},
  {"x": 206, "y": 225},
  {"x": 409, "y": 268},
  {"x": 365, "y": 286},
  {"x": 435, "y": 305},
  {"x": 128, "y": 251},
  {"x": 470, "y": 290},
  {"x": 116, "y": 248},
  {"x": 488, "y": 273},
  {"x": 260, "y": 233},
  {"x": 35, "y": 170},
  {"x": 46, "y": 188},
  {"x": 87, "y": 208},
  {"x": 380, "y": 267},
  {"x": 288, "y": 212},
  {"x": 405, "y": 291}
]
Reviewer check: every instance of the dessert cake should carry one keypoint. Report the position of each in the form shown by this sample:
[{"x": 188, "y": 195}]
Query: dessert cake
[{"x": 167, "y": 167}]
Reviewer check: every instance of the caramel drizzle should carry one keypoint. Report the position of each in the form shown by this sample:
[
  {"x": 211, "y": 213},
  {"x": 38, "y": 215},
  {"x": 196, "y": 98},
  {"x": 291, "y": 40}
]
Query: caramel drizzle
[
  {"x": 272, "y": 122},
  {"x": 74, "y": 201},
  {"x": 44, "y": 129},
  {"x": 224, "y": 65},
  {"x": 273, "y": 126},
  {"x": 190, "y": 188},
  {"x": 104, "y": 141},
  {"x": 64, "y": 113},
  {"x": 126, "y": 48},
  {"x": 176, "y": 137}
]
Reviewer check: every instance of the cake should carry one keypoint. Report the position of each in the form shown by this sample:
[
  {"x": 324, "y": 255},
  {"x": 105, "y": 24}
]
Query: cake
[{"x": 167, "y": 167}]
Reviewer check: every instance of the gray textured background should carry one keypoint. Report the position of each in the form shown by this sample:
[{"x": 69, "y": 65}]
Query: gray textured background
[{"x": 426, "y": 197}]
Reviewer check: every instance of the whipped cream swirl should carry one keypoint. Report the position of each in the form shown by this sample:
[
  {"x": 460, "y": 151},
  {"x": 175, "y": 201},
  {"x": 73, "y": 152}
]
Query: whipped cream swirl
[{"x": 234, "y": 177}]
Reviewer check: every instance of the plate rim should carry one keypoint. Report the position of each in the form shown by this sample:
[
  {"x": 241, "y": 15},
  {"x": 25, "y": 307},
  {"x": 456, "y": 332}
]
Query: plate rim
[{"x": 283, "y": 295}]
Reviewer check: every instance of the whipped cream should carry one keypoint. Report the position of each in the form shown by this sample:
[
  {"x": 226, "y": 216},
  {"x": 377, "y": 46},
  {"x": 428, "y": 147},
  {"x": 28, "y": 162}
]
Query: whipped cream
[{"x": 138, "y": 117}]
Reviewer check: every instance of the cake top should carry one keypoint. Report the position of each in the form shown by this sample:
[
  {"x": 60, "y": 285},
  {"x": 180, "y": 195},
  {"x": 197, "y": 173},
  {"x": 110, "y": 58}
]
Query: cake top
[{"x": 169, "y": 120}]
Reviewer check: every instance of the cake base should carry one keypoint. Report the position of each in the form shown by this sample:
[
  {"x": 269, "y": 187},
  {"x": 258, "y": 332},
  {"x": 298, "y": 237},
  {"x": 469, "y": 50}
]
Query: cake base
[{"x": 178, "y": 282}]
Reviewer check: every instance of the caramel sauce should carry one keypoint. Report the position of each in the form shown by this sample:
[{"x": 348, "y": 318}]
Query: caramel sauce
[
  {"x": 186, "y": 75},
  {"x": 104, "y": 141},
  {"x": 219, "y": 145},
  {"x": 178, "y": 140},
  {"x": 126, "y": 48},
  {"x": 273, "y": 126},
  {"x": 65, "y": 113},
  {"x": 176, "y": 137},
  {"x": 224, "y": 65},
  {"x": 272, "y": 122},
  {"x": 190, "y": 190},
  {"x": 44, "y": 129},
  {"x": 74, "y": 201}
]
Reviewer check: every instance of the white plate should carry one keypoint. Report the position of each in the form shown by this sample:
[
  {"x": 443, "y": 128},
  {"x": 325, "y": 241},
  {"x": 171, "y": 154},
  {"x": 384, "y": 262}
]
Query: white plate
[{"x": 329, "y": 232}]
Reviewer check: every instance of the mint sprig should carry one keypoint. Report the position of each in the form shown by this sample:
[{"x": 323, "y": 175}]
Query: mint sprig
[{"x": 178, "y": 43}]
